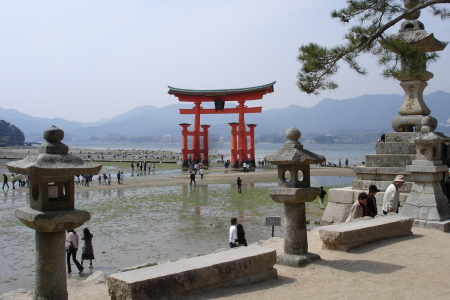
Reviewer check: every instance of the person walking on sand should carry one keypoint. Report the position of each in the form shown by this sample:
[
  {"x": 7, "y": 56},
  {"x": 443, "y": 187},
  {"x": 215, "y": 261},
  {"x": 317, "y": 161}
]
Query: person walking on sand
[
  {"x": 121, "y": 177},
  {"x": 5, "y": 181},
  {"x": 118, "y": 177},
  {"x": 346, "y": 162},
  {"x": 391, "y": 195},
  {"x": 322, "y": 197},
  {"x": 192, "y": 177},
  {"x": 239, "y": 185},
  {"x": 234, "y": 241},
  {"x": 241, "y": 235},
  {"x": 109, "y": 179},
  {"x": 73, "y": 248},
  {"x": 88, "y": 250}
]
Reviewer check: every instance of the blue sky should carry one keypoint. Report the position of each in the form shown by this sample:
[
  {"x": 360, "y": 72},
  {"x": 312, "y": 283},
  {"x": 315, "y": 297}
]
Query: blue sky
[{"x": 89, "y": 60}]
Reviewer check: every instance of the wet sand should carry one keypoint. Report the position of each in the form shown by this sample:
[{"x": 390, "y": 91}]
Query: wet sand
[{"x": 223, "y": 176}]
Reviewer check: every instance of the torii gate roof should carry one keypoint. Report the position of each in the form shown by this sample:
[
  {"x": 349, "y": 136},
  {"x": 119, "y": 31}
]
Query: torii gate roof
[{"x": 257, "y": 93}]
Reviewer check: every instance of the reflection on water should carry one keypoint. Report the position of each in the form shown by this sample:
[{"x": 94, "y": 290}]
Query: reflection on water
[{"x": 138, "y": 225}]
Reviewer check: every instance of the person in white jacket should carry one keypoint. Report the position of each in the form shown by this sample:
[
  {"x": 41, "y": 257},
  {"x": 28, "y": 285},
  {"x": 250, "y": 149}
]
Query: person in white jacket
[
  {"x": 234, "y": 241},
  {"x": 391, "y": 195}
]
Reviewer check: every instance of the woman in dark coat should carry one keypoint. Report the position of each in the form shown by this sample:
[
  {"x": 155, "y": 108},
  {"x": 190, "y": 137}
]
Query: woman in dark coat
[
  {"x": 372, "y": 201},
  {"x": 241, "y": 235},
  {"x": 88, "y": 250}
]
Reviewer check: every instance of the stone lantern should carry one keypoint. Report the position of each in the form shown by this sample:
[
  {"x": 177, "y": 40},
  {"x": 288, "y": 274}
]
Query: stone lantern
[
  {"x": 426, "y": 202},
  {"x": 294, "y": 189},
  {"x": 51, "y": 211},
  {"x": 414, "y": 113}
]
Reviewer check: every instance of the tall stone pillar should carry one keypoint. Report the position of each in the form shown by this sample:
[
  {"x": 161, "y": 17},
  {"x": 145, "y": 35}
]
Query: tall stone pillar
[
  {"x": 251, "y": 146},
  {"x": 233, "y": 145},
  {"x": 184, "y": 145},
  {"x": 205, "y": 148}
]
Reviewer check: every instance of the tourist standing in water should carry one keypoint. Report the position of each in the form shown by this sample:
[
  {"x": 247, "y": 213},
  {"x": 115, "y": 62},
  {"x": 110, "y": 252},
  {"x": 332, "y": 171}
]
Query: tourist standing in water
[
  {"x": 73, "y": 241},
  {"x": 5, "y": 181},
  {"x": 88, "y": 250},
  {"x": 201, "y": 171},
  {"x": 192, "y": 177},
  {"x": 239, "y": 185}
]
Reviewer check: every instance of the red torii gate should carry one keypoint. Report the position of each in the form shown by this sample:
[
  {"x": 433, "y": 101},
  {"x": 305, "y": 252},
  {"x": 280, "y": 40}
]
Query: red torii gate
[{"x": 240, "y": 150}]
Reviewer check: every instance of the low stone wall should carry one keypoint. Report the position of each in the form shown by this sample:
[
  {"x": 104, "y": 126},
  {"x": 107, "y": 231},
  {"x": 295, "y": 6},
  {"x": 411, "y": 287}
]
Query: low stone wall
[
  {"x": 253, "y": 262},
  {"x": 342, "y": 199},
  {"x": 351, "y": 235}
]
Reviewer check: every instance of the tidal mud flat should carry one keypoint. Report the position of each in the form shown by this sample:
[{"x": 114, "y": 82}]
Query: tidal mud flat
[{"x": 153, "y": 217}]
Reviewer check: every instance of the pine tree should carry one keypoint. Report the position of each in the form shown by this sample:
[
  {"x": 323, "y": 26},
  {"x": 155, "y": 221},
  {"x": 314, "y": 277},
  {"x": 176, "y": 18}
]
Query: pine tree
[{"x": 372, "y": 19}]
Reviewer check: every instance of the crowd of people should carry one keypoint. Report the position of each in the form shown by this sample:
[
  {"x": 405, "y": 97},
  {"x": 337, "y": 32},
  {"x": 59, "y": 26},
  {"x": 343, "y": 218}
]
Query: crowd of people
[
  {"x": 366, "y": 205},
  {"x": 20, "y": 180}
]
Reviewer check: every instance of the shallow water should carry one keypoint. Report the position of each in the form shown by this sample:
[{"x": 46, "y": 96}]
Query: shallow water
[{"x": 148, "y": 224}]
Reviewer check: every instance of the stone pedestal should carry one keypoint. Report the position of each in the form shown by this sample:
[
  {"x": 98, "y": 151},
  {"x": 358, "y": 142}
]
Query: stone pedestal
[
  {"x": 50, "y": 279},
  {"x": 390, "y": 160},
  {"x": 295, "y": 235}
]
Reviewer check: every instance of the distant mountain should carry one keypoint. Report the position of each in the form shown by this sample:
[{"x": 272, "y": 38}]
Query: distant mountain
[{"x": 367, "y": 113}]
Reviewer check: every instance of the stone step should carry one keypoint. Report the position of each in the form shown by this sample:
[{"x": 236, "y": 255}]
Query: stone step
[
  {"x": 389, "y": 160},
  {"x": 381, "y": 174},
  {"x": 379, "y": 170},
  {"x": 186, "y": 275},
  {"x": 395, "y": 148},
  {"x": 402, "y": 137},
  {"x": 381, "y": 185}
]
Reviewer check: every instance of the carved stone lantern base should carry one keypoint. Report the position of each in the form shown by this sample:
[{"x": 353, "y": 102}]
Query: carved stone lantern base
[{"x": 297, "y": 261}]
